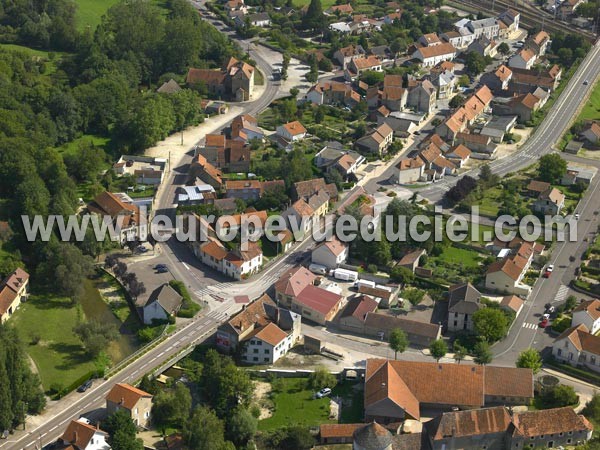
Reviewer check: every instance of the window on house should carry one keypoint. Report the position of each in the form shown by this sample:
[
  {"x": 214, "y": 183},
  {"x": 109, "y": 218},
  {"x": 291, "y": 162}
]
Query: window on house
[
  {"x": 255, "y": 350},
  {"x": 255, "y": 358},
  {"x": 593, "y": 360},
  {"x": 266, "y": 359},
  {"x": 559, "y": 352},
  {"x": 267, "y": 351}
]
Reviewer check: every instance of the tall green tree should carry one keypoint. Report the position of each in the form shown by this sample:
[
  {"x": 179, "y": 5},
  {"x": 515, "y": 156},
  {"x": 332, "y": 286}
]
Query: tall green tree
[
  {"x": 398, "y": 341},
  {"x": 224, "y": 385},
  {"x": 551, "y": 168},
  {"x": 491, "y": 324},
  {"x": 482, "y": 354},
  {"x": 241, "y": 427},
  {"x": 314, "y": 19},
  {"x": 205, "y": 431},
  {"x": 122, "y": 431},
  {"x": 438, "y": 349},
  {"x": 530, "y": 359},
  {"x": 18, "y": 385}
]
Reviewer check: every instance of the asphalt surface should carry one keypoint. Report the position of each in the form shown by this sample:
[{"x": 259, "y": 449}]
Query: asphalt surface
[{"x": 194, "y": 331}]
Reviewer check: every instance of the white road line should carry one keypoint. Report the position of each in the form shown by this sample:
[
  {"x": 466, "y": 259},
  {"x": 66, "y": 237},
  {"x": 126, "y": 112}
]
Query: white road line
[
  {"x": 530, "y": 326},
  {"x": 185, "y": 265}
]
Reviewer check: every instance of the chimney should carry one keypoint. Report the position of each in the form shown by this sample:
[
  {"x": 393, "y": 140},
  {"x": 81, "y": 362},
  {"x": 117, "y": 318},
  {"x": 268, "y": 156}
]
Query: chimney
[
  {"x": 74, "y": 436},
  {"x": 122, "y": 401}
]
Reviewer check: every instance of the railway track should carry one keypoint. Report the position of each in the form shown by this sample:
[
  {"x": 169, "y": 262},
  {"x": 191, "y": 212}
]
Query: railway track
[{"x": 530, "y": 16}]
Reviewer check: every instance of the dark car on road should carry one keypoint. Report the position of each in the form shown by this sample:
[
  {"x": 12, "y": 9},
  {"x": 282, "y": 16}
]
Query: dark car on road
[{"x": 85, "y": 386}]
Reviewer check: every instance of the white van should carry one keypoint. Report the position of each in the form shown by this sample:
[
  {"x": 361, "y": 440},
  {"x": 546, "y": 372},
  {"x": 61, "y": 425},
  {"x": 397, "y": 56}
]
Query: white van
[
  {"x": 318, "y": 269},
  {"x": 344, "y": 275},
  {"x": 364, "y": 283}
]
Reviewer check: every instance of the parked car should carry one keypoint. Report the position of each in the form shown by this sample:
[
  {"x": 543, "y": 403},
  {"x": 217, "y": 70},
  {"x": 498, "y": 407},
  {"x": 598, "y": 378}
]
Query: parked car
[
  {"x": 162, "y": 270},
  {"x": 576, "y": 216},
  {"x": 85, "y": 386},
  {"x": 544, "y": 323},
  {"x": 550, "y": 309},
  {"x": 160, "y": 266},
  {"x": 323, "y": 393},
  {"x": 548, "y": 271},
  {"x": 586, "y": 82}
]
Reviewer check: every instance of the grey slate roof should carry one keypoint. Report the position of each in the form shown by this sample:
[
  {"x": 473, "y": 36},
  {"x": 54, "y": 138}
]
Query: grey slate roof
[
  {"x": 167, "y": 297},
  {"x": 463, "y": 299}
]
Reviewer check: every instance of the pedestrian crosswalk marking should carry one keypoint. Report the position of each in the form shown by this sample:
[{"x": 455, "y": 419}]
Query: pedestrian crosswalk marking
[
  {"x": 531, "y": 326},
  {"x": 562, "y": 293}
]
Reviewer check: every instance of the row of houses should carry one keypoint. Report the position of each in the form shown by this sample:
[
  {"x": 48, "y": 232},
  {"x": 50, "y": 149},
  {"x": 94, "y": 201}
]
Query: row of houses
[{"x": 492, "y": 428}]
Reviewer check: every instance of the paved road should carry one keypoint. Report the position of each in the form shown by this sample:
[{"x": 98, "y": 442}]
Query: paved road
[{"x": 525, "y": 332}]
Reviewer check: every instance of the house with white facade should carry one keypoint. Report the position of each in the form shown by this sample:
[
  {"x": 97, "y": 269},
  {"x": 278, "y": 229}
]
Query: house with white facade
[
  {"x": 434, "y": 54},
  {"x": 14, "y": 289},
  {"x": 588, "y": 314},
  {"x": 525, "y": 59},
  {"x": 163, "y": 303},
  {"x": 291, "y": 131},
  {"x": 265, "y": 330},
  {"x": 82, "y": 435},
  {"x": 488, "y": 27},
  {"x": 463, "y": 302},
  {"x": 549, "y": 202},
  {"x": 330, "y": 253},
  {"x": 578, "y": 347},
  {"x": 506, "y": 275},
  {"x": 267, "y": 344}
]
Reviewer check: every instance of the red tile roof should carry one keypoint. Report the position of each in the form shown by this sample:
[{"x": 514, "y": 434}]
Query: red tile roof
[{"x": 318, "y": 299}]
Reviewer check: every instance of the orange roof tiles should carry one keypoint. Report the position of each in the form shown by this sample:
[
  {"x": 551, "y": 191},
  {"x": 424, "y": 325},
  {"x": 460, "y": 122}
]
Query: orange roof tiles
[
  {"x": 294, "y": 128},
  {"x": 271, "y": 334},
  {"x": 126, "y": 395},
  {"x": 592, "y": 307},
  {"x": 445, "y": 48}
]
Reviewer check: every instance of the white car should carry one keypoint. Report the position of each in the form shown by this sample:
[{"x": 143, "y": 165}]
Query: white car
[
  {"x": 550, "y": 268},
  {"x": 323, "y": 393},
  {"x": 576, "y": 216}
]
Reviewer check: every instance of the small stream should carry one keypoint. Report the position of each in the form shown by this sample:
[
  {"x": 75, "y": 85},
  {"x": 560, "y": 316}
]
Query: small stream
[{"x": 95, "y": 308}]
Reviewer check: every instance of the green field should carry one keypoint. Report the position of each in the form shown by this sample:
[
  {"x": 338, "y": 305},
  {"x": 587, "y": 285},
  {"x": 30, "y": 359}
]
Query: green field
[
  {"x": 591, "y": 110},
  {"x": 59, "y": 355},
  {"x": 71, "y": 147},
  {"x": 294, "y": 405},
  {"x": 455, "y": 255},
  {"x": 50, "y": 58},
  {"x": 89, "y": 12}
]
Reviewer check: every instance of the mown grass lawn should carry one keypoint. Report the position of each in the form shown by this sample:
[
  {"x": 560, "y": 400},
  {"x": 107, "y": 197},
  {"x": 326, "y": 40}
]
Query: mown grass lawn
[
  {"x": 59, "y": 355},
  {"x": 490, "y": 202},
  {"x": 591, "y": 110},
  {"x": 455, "y": 255},
  {"x": 90, "y": 12},
  {"x": 295, "y": 405},
  {"x": 71, "y": 147}
]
